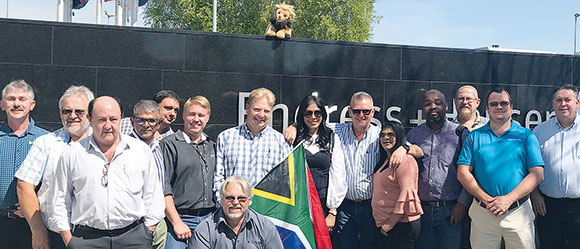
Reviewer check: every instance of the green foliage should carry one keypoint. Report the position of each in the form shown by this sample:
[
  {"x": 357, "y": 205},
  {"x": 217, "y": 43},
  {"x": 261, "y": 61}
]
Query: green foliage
[{"x": 343, "y": 20}]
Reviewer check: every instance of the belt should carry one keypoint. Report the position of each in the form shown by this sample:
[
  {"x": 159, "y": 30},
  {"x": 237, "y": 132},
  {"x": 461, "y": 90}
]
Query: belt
[
  {"x": 440, "y": 203},
  {"x": 8, "y": 213},
  {"x": 512, "y": 207},
  {"x": 360, "y": 201},
  {"x": 196, "y": 212},
  {"x": 114, "y": 232}
]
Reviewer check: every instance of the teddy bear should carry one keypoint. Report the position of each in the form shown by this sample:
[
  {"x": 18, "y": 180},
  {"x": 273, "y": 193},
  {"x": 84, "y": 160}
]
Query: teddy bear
[{"x": 281, "y": 24}]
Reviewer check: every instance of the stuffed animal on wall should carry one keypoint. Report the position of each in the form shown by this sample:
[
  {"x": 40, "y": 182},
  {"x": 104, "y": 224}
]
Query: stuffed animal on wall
[{"x": 281, "y": 24}]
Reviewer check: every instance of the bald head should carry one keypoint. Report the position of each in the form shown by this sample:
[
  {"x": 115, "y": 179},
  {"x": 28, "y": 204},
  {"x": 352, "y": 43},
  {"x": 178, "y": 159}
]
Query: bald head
[
  {"x": 467, "y": 89},
  {"x": 466, "y": 103},
  {"x": 105, "y": 117},
  {"x": 434, "y": 107},
  {"x": 435, "y": 93}
]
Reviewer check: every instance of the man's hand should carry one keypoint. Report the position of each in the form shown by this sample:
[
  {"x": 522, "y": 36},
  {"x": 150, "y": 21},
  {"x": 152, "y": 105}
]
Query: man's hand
[
  {"x": 538, "y": 203},
  {"x": 18, "y": 211},
  {"x": 330, "y": 221},
  {"x": 499, "y": 205},
  {"x": 290, "y": 134},
  {"x": 151, "y": 228},
  {"x": 181, "y": 230},
  {"x": 398, "y": 156},
  {"x": 66, "y": 236},
  {"x": 457, "y": 213}
]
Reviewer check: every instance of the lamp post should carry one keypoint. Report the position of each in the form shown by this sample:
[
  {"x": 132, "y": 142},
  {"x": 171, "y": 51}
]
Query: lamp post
[{"x": 576, "y": 15}]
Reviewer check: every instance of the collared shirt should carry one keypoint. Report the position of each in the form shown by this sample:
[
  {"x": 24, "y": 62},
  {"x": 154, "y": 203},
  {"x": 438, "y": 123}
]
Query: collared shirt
[
  {"x": 40, "y": 165},
  {"x": 479, "y": 121},
  {"x": 133, "y": 190},
  {"x": 157, "y": 155},
  {"x": 501, "y": 162},
  {"x": 360, "y": 158},
  {"x": 127, "y": 128},
  {"x": 13, "y": 151},
  {"x": 438, "y": 168},
  {"x": 561, "y": 153},
  {"x": 255, "y": 232},
  {"x": 189, "y": 171},
  {"x": 241, "y": 153}
]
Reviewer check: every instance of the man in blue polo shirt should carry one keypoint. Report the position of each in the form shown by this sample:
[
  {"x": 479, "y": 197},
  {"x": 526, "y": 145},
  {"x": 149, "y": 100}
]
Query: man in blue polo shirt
[{"x": 500, "y": 164}]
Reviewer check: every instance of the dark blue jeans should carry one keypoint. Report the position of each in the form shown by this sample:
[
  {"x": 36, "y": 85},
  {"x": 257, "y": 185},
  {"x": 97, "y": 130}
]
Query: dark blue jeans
[
  {"x": 436, "y": 232},
  {"x": 355, "y": 219},
  {"x": 191, "y": 221},
  {"x": 560, "y": 224}
]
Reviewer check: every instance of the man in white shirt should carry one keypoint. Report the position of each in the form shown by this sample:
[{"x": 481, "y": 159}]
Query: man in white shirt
[
  {"x": 40, "y": 164},
  {"x": 113, "y": 181}
]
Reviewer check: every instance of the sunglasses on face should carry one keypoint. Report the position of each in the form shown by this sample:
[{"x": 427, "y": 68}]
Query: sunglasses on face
[
  {"x": 78, "y": 112},
  {"x": 358, "y": 111},
  {"x": 151, "y": 121},
  {"x": 317, "y": 114},
  {"x": 231, "y": 198},
  {"x": 503, "y": 104}
]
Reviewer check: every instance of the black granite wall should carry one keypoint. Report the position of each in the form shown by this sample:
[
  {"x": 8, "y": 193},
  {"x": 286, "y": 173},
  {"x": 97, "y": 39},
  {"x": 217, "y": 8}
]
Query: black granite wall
[{"x": 134, "y": 63}]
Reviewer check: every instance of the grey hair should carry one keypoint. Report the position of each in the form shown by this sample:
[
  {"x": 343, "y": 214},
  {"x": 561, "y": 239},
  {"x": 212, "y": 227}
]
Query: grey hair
[
  {"x": 359, "y": 96},
  {"x": 76, "y": 90},
  {"x": 18, "y": 84},
  {"x": 246, "y": 186},
  {"x": 146, "y": 106}
]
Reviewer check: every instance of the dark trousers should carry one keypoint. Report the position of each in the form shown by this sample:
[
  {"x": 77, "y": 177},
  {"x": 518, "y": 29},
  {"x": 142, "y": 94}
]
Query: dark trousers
[
  {"x": 14, "y": 233},
  {"x": 55, "y": 240},
  {"x": 355, "y": 226},
  {"x": 560, "y": 224},
  {"x": 138, "y": 237},
  {"x": 404, "y": 235}
]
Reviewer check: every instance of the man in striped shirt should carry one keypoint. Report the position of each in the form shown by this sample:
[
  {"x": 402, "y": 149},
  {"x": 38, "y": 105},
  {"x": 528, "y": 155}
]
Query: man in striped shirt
[{"x": 145, "y": 122}]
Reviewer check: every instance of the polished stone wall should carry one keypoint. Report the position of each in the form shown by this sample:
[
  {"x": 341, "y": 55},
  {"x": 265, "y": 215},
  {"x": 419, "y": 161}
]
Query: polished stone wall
[{"x": 134, "y": 63}]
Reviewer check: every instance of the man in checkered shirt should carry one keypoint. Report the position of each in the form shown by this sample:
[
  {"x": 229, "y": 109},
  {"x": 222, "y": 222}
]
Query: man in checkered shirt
[{"x": 251, "y": 150}]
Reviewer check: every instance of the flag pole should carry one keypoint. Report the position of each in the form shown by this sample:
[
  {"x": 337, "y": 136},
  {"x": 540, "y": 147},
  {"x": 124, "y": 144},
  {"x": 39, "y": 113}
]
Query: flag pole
[
  {"x": 99, "y": 10},
  {"x": 119, "y": 12},
  {"x": 214, "y": 24}
]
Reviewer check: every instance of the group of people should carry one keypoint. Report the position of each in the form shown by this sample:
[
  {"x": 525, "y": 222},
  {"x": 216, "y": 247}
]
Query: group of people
[{"x": 104, "y": 181}]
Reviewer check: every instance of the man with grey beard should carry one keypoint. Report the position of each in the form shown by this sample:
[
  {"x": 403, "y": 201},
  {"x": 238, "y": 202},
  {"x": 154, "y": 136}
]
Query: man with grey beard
[
  {"x": 41, "y": 161},
  {"x": 466, "y": 103},
  {"x": 235, "y": 225}
]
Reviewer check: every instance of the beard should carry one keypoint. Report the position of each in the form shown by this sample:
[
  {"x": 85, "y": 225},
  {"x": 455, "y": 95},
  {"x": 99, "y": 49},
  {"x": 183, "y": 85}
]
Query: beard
[
  {"x": 464, "y": 114},
  {"x": 234, "y": 215},
  {"x": 77, "y": 128}
]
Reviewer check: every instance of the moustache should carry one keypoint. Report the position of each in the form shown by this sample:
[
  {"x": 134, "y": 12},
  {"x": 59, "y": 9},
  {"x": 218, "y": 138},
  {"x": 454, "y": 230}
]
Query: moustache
[{"x": 17, "y": 109}]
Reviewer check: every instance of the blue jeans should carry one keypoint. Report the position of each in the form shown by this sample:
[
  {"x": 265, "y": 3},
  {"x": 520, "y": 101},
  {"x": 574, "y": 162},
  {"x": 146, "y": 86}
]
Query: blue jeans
[
  {"x": 436, "y": 232},
  {"x": 353, "y": 220},
  {"x": 191, "y": 221}
]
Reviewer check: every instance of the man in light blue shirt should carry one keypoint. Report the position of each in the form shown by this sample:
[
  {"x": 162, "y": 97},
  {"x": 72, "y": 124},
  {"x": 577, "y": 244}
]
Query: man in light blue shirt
[
  {"x": 500, "y": 164},
  {"x": 557, "y": 199}
]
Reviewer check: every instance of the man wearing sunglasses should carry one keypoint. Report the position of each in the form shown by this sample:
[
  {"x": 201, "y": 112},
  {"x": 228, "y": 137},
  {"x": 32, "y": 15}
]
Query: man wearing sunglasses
[
  {"x": 106, "y": 190},
  {"x": 41, "y": 161},
  {"x": 168, "y": 106},
  {"x": 500, "y": 164},
  {"x": 235, "y": 225},
  {"x": 17, "y": 133},
  {"x": 145, "y": 121},
  {"x": 189, "y": 157}
]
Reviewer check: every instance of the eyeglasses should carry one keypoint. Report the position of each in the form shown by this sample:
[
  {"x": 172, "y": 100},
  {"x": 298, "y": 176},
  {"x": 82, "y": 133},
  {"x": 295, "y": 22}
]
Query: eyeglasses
[
  {"x": 231, "y": 198},
  {"x": 317, "y": 114},
  {"x": 105, "y": 178},
  {"x": 503, "y": 104},
  {"x": 151, "y": 121},
  {"x": 465, "y": 99},
  {"x": 78, "y": 112},
  {"x": 358, "y": 111},
  {"x": 387, "y": 134}
]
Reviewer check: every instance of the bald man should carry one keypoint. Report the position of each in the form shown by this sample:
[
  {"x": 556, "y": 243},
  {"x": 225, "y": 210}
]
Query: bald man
[
  {"x": 466, "y": 103},
  {"x": 112, "y": 178}
]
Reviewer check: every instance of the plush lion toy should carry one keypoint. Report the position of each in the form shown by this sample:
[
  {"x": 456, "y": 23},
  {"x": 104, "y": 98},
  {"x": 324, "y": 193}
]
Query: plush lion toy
[{"x": 281, "y": 24}]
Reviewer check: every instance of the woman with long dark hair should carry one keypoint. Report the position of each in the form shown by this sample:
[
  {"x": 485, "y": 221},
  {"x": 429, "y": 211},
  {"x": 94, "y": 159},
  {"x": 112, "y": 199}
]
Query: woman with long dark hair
[
  {"x": 324, "y": 155},
  {"x": 395, "y": 202}
]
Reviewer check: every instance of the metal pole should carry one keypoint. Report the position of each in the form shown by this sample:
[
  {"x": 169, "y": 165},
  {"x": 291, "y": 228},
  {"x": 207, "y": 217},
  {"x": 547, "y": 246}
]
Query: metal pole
[
  {"x": 7, "y": 8},
  {"x": 214, "y": 25},
  {"x": 99, "y": 11},
  {"x": 575, "y": 22}
]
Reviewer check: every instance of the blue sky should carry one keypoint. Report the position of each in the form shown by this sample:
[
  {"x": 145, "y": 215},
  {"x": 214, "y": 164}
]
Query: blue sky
[{"x": 532, "y": 24}]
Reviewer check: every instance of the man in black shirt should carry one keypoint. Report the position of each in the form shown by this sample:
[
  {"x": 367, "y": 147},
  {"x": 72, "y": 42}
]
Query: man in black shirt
[{"x": 189, "y": 158}]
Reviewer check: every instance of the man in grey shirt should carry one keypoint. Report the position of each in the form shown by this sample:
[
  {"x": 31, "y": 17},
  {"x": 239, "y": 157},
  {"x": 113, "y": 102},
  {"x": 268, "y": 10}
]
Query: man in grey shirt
[{"x": 234, "y": 225}]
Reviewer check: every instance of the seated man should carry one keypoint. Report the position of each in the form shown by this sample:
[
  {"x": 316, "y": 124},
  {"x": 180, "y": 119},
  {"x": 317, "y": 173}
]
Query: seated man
[{"x": 233, "y": 225}]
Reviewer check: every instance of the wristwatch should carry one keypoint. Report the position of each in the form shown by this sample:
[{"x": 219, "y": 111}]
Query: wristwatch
[{"x": 333, "y": 212}]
